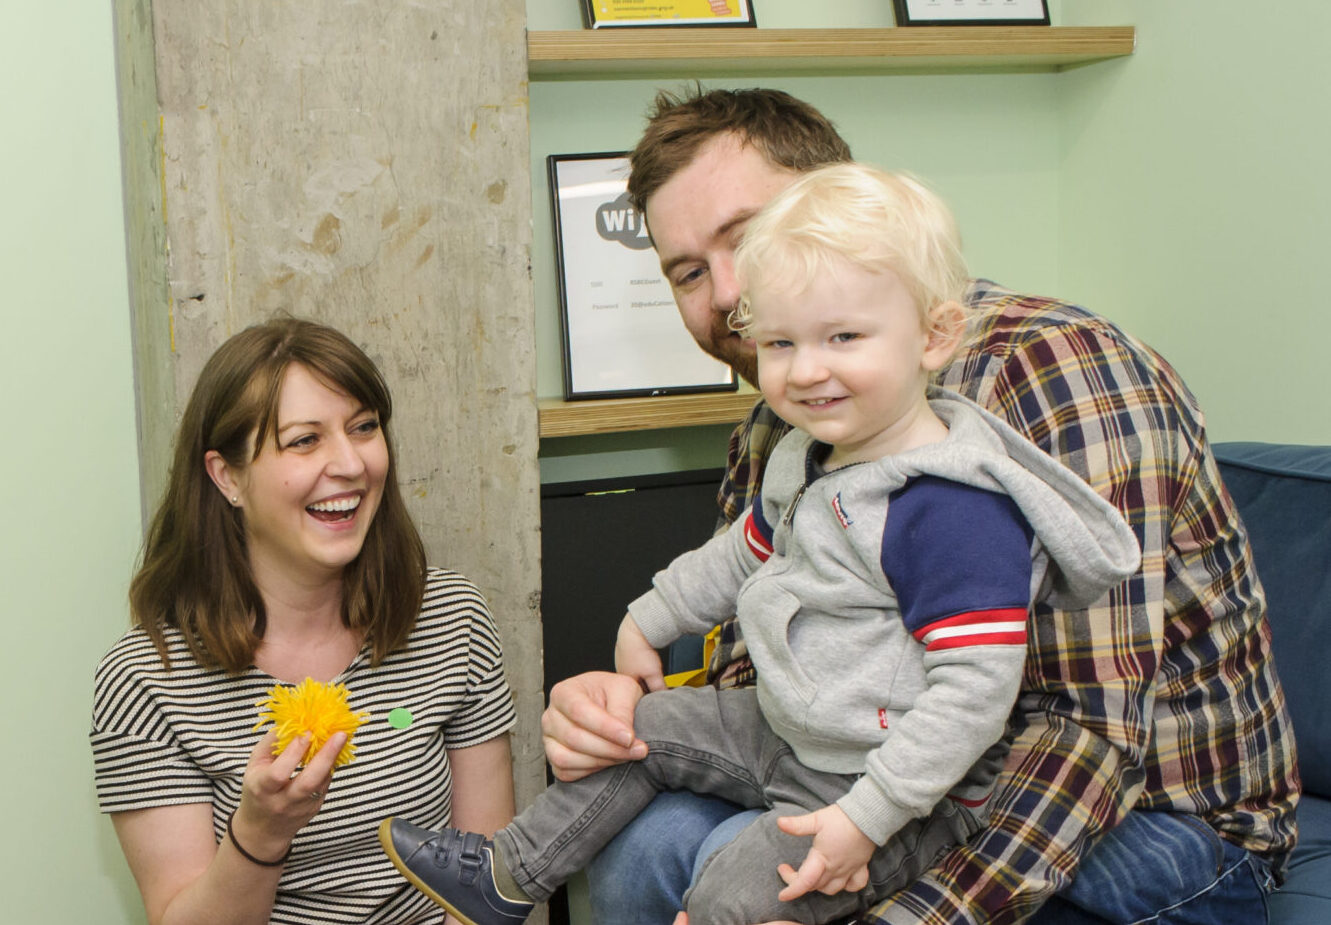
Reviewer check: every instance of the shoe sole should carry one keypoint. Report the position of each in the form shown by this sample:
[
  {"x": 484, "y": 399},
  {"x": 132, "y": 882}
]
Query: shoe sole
[{"x": 386, "y": 842}]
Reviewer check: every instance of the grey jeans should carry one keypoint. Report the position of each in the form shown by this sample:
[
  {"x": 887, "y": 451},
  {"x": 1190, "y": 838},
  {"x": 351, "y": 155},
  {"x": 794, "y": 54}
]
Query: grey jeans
[{"x": 717, "y": 742}]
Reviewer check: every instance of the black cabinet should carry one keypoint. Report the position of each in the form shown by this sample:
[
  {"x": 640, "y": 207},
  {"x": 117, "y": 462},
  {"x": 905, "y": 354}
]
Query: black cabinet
[{"x": 601, "y": 543}]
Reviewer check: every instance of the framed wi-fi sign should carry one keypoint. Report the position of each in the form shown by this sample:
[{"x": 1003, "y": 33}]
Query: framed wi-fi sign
[{"x": 622, "y": 334}]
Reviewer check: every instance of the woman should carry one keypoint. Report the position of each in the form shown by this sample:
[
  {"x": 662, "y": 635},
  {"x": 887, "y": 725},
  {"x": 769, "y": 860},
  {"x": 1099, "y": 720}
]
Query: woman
[{"x": 283, "y": 550}]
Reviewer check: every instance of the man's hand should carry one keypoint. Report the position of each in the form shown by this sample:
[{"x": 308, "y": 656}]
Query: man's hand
[
  {"x": 635, "y": 657},
  {"x": 838, "y": 860},
  {"x": 589, "y": 724}
]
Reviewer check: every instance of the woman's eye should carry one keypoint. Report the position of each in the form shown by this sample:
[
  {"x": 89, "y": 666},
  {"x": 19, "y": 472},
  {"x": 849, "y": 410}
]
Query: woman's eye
[
  {"x": 301, "y": 442},
  {"x": 367, "y": 426}
]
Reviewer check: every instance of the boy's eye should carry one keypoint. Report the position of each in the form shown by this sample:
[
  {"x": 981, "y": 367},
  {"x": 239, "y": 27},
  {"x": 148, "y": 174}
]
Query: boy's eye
[{"x": 845, "y": 336}]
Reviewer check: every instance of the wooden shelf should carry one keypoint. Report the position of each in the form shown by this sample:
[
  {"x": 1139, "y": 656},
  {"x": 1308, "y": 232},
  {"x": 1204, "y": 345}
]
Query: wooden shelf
[
  {"x": 602, "y": 53},
  {"x": 613, "y": 415}
]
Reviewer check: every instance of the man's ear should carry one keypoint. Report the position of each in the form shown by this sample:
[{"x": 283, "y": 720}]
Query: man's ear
[
  {"x": 219, "y": 470},
  {"x": 947, "y": 325}
]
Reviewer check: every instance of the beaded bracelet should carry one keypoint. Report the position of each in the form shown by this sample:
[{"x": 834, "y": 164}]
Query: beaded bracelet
[{"x": 231, "y": 834}]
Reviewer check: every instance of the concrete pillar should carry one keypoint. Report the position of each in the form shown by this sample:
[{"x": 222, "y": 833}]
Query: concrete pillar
[{"x": 364, "y": 163}]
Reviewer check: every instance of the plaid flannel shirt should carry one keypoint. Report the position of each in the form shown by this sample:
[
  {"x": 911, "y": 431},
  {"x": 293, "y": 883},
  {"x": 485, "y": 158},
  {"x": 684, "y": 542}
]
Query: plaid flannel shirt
[{"x": 1162, "y": 695}]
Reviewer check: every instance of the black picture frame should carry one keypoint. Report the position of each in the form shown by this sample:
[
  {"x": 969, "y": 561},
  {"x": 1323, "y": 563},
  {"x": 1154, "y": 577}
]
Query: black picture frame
[
  {"x": 971, "y": 12},
  {"x": 606, "y": 14},
  {"x": 620, "y": 329}
]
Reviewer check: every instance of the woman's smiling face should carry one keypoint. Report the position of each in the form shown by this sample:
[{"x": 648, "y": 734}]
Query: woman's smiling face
[{"x": 310, "y": 495}]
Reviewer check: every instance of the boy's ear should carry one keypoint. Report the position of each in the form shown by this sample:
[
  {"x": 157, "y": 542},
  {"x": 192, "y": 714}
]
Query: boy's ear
[{"x": 947, "y": 324}]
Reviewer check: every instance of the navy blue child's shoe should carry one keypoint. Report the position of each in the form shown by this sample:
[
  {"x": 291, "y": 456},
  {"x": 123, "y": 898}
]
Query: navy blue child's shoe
[{"x": 453, "y": 868}]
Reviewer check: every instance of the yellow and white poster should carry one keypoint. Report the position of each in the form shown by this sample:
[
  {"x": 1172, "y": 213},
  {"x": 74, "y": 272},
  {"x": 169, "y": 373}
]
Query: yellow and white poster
[{"x": 604, "y": 13}]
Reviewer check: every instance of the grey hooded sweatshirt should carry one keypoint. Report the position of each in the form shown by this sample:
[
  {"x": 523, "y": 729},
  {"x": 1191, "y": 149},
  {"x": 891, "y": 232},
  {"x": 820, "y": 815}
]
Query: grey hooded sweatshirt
[{"x": 852, "y": 673}]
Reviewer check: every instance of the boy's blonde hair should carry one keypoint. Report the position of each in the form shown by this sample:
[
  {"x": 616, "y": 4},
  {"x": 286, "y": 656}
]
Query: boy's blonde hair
[{"x": 872, "y": 218}]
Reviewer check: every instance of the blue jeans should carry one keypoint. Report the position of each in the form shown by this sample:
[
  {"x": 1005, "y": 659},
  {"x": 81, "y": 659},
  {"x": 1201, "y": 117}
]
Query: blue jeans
[
  {"x": 1163, "y": 869},
  {"x": 1158, "y": 868}
]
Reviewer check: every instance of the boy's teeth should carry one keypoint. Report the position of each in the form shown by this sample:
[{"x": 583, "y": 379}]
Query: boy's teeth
[{"x": 342, "y": 504}]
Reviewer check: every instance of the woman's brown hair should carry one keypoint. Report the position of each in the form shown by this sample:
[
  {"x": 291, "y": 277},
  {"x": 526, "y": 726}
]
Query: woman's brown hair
[
  {"x": 195, "y": 571},
  {"x": 789, "y": 132}
]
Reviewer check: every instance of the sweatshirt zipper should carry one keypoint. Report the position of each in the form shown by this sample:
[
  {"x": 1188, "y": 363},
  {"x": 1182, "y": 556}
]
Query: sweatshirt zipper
[
  {"x": 810, "y": 476},
  {"x": 794, "y": 503}
]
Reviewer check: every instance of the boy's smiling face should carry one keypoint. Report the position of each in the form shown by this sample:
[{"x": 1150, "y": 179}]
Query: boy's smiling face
[{"x": 848, "y": 360}]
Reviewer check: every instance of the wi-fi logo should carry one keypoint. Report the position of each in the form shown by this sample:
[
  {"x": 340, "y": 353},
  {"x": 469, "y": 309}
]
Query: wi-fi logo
[{"x": 619, "y": 221}]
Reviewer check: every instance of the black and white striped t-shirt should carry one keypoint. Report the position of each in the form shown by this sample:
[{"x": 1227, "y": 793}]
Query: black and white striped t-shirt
[{"x": 163, "y": 738}]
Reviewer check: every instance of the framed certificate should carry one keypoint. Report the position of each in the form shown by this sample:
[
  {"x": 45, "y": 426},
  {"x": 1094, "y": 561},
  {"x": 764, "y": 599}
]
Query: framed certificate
[
  {"x": 622, "y": 334},
  {"x": 603, "y": 14},
  {"x": 972, "y": 12}
]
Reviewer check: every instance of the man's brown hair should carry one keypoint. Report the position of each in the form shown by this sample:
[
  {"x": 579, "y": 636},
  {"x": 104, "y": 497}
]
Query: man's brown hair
[
  {"x": 789, "y": 132},
  {"x": 195, "y": 572}
]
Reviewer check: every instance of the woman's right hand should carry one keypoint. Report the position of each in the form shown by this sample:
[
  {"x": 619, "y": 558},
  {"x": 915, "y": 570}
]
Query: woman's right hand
[
  {"x": 277, "y": 801},
  {"x": 589, "y": 724}
]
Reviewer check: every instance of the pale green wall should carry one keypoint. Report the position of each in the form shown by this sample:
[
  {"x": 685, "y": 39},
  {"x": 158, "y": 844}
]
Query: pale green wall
[
  {"x": 69, "y": 470},
  {"x": 1181, "y": 191},
  {"x": 1195, "y": 205}
]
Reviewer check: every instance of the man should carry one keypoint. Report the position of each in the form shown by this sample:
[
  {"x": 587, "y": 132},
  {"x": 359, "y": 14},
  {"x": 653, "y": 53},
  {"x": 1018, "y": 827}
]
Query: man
[{"x": 1152, "y": 772}]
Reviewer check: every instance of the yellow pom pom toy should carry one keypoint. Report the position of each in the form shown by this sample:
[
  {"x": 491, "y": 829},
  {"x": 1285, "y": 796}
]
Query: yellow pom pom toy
[{"x": 319, "y": 709}]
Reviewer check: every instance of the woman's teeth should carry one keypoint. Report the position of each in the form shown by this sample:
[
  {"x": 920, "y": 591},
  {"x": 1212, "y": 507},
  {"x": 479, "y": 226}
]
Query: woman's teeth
[{"x": 341, "y": 504}]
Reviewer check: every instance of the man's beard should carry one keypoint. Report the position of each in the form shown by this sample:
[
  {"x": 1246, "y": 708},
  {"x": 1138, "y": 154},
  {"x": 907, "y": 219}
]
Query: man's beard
[{"x": 728, "y": 347}]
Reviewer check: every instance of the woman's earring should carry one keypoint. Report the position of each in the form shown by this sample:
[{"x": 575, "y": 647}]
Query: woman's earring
[{"x": 235, "y": 499}]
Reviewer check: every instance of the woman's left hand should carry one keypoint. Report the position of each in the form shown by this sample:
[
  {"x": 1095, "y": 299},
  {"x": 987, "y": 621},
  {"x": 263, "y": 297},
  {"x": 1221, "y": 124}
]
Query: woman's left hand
[{"x": 277, "y": 801}]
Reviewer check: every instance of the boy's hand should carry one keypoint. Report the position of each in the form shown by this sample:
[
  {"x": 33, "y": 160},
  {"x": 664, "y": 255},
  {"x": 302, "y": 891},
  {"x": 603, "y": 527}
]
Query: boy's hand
[
  {"x": 838, "y": 860},
  {"x": 635, "y": 657}
]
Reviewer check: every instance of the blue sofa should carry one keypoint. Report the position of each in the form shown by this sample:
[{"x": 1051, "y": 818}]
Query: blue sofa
[{"x": 1283, "y": 494}]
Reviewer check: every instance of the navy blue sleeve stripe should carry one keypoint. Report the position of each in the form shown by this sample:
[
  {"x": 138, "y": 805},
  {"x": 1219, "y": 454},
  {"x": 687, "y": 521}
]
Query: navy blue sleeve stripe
[{"x": 952, "y": 549}]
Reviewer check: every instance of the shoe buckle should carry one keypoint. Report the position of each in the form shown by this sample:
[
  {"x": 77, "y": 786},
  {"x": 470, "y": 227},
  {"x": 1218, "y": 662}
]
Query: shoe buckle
[{"x": 470, "y": 858}]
